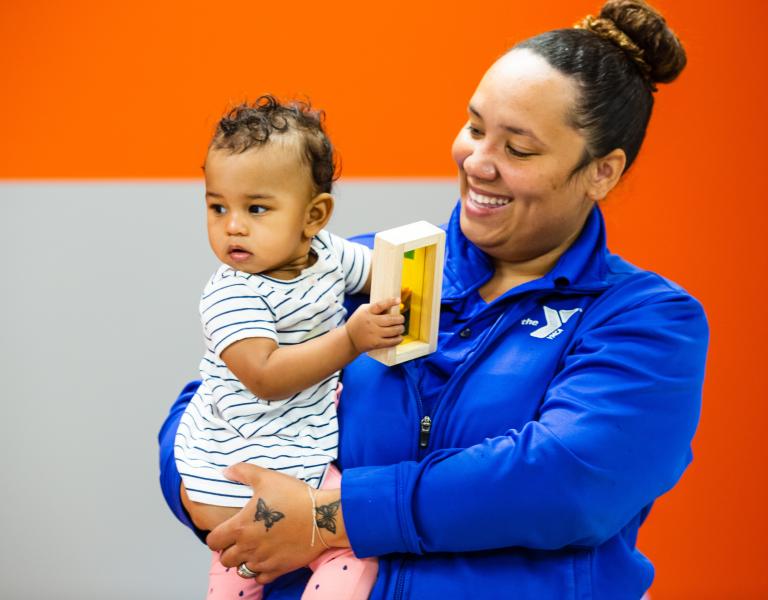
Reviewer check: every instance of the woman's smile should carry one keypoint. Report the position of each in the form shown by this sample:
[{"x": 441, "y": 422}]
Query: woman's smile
[{"x": 486, "y": 200}]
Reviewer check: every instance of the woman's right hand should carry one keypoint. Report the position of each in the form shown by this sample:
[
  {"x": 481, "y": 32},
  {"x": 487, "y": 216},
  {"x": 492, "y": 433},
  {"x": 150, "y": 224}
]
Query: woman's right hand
[{"x": 273, "y": 534}]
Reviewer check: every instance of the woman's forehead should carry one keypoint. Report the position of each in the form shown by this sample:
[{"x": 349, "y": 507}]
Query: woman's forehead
[{"x": 522, "y": 86}]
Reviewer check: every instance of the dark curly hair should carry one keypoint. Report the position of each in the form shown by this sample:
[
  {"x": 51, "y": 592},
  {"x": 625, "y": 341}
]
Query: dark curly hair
[
  {"x": 249, "y": 125},
  {"x": 616, "y": 60}
]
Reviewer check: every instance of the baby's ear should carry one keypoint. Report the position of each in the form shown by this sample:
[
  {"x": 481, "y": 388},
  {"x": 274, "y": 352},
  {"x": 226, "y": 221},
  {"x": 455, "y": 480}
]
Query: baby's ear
[{"x": 319, "y": 211}]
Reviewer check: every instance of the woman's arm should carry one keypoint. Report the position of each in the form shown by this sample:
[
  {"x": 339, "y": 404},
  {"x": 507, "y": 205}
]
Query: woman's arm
[
  {"x": 613, "y": 434},
  {"x": 274, "y": 373},
  {"x": 170, "y": 480}
]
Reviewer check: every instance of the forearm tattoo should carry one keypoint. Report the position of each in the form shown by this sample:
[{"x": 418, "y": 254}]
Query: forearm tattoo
[
  {"x": 264, "y": 513},
  {"x": 326, "y": 516}
]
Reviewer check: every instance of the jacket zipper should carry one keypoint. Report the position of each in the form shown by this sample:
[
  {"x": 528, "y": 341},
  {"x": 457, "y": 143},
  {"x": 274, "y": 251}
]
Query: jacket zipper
[
  {"x": 425, "y": 421},
  {"x": 400, "y": 584},
  {"x": 425, "y": 425},
  {"x": 425, "y": 429}
]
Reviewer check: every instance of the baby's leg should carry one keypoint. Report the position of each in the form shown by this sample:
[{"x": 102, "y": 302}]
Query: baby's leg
[
  {"x": 338, "y": 573},
  {"x": 225, "y": 584},
  {"x": 206, "y": 516}
]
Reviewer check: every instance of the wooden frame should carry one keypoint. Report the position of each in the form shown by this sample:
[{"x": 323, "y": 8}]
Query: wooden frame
[{"x": 410, "y": 256}]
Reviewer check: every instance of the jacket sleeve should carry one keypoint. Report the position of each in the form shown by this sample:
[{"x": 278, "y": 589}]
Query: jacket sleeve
[
  {"x": 613, "y": 434},
  {"x": 170, "y": 480}
]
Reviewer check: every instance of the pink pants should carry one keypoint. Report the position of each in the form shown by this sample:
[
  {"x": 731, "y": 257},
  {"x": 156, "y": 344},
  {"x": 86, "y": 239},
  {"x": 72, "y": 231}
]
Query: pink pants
[{"x": 338, "y": 573}]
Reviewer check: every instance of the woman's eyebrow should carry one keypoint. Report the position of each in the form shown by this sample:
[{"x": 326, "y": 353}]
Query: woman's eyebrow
[
  {"x": 510, "y": 128},
  {"x": 525, "y": 132},
  {"x": 472, "y": 110}
]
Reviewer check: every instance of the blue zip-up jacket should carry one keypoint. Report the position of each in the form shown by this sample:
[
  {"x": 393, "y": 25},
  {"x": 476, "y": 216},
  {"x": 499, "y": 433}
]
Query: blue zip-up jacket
[{"x": 565, "y": 407}]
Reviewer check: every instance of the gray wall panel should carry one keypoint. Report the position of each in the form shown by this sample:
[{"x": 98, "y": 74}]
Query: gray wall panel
[{"x": 98, "y": 317}]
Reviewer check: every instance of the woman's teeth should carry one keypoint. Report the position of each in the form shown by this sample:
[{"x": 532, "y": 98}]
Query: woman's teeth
[{"x": 488, "y": 200}]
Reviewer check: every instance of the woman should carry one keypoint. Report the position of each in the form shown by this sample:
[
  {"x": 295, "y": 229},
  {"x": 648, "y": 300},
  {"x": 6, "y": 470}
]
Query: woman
[{"x": 521, "y": 458}]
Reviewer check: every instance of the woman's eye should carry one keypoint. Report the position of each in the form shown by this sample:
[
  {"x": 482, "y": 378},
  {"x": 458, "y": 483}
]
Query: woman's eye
[
  {"x": 518, "y": 153},
  {"x": 218, "y": 209},
  {"x": 256, "y": 209},
  {"x": 474, "y": 131}
]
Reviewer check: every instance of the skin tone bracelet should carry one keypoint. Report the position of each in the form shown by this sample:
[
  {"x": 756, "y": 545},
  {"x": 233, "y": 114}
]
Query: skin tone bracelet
[{"x": 315, "y": 525}]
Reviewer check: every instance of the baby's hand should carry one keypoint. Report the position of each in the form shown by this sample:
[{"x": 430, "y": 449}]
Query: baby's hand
[{"x": 371, "y": 326}]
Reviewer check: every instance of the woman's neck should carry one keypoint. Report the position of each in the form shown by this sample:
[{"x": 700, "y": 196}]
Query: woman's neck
[{"x": 510, "y": 274}]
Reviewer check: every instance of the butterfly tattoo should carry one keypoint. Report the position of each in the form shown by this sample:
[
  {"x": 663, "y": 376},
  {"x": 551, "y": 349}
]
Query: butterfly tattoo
[
  {"x": 326, "y": 516},
  {"x": 264, "y": 513}
]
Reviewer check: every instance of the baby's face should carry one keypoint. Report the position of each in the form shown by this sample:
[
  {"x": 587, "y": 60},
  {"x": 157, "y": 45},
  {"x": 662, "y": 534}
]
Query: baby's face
[{"x": 258, "y": 204}]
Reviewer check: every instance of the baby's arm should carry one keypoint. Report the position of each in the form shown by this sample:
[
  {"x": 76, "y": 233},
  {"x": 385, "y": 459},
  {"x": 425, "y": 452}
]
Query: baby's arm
[
  {"x": 366, "y": 289},
  {"x": 273, "y": 373}
]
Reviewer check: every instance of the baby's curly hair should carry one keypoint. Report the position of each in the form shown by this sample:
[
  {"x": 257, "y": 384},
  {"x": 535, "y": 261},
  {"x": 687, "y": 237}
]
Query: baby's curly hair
[{"x": 249, "y": 125}]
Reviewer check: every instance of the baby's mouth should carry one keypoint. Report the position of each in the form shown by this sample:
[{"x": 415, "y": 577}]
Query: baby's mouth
[{"x": 238, "y": 254}]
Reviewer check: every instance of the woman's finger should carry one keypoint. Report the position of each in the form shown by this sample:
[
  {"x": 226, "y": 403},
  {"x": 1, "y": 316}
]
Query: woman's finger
[
  {"x": 230, "y": 557},
  {"x": 244, "y": 473},
  {"x": 254, "y": 559},
  {"x": 225, "y": 535}
]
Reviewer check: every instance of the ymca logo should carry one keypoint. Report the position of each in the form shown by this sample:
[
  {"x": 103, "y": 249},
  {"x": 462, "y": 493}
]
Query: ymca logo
[{"x": 555, "y": 321}]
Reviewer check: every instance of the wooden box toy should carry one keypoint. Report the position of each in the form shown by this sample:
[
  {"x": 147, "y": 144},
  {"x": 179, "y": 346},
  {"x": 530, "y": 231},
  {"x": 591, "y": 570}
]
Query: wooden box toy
[{"x": 408, "y": 262}]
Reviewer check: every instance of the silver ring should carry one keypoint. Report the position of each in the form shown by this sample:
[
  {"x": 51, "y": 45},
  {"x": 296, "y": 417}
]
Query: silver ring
[{"x": 245, "y": 572}]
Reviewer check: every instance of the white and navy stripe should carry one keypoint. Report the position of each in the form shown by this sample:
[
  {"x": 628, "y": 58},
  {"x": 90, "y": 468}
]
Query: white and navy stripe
[{"x": 225, "y": 423}]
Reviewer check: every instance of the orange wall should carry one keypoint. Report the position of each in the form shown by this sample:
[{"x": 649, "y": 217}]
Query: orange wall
[{"x": 132, "y": 90}]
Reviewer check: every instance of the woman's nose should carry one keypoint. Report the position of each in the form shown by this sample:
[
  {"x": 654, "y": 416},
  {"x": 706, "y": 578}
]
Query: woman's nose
[{"x": 479, "y": 165}]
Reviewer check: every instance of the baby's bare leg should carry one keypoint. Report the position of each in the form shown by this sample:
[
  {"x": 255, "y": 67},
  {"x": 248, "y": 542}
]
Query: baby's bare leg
[{"x": 206, "y": 516}]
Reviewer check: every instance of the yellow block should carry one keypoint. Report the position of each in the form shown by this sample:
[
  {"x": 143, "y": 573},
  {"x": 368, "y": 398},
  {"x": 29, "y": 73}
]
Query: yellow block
[{"x": 414, "y": 264}]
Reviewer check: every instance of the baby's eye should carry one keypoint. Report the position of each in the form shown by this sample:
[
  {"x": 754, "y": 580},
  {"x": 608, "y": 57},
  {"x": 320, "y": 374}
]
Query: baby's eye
[
  {"x": 256, "y": 209},
  {"x": 217, "y": 209}
]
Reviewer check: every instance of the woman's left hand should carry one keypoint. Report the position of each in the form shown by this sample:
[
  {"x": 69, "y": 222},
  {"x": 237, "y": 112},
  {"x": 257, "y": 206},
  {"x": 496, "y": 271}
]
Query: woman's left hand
[{"x": 272, "y": 534}]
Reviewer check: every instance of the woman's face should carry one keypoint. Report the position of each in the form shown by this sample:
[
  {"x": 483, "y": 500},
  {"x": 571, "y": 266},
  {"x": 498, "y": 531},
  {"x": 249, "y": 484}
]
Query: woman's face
[{"x": 516, "y": 155}]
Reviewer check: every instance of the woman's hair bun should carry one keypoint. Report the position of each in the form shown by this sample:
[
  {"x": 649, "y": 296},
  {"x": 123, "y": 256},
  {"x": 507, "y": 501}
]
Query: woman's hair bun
[{"x": 646, "y": 27}]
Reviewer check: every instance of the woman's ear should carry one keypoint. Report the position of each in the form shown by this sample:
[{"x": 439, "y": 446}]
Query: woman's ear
[
  {"x": 604, "y": 174},
  {"x": 319, "y": 211}
]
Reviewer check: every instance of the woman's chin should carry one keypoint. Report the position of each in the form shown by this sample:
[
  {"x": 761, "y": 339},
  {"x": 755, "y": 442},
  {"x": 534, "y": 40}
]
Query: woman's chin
[{"x": 480, "y": 234}]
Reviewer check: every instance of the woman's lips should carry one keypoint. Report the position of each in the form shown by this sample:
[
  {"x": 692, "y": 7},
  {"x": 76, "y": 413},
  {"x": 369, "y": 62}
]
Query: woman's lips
[
  {"x": 480, "y": 204},
  {"x": 487, "y": 201}
]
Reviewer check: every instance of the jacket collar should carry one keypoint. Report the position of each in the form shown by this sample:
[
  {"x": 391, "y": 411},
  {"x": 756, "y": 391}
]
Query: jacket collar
[{"x": 582, "y": 267}]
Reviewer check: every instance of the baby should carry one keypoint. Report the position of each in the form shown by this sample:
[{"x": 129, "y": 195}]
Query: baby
[{"x": 274, "y": 325}]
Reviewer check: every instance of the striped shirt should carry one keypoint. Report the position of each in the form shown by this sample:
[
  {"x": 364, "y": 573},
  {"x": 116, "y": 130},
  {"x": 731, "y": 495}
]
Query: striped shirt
[{"x": 225, "y": 423}]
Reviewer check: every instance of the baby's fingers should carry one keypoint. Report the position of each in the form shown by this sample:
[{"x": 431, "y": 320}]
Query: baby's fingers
[
  {"x": 391, "y": 331},
  {"x": 388, "y": 342},
  {"x": 382, "y": 306},
  {"x": 387, "y": 319}
]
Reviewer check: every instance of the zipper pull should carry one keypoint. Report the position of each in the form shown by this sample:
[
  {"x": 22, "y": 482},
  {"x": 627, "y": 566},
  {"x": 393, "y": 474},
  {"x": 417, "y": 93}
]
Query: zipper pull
[{"x": 424, "y": 427}]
